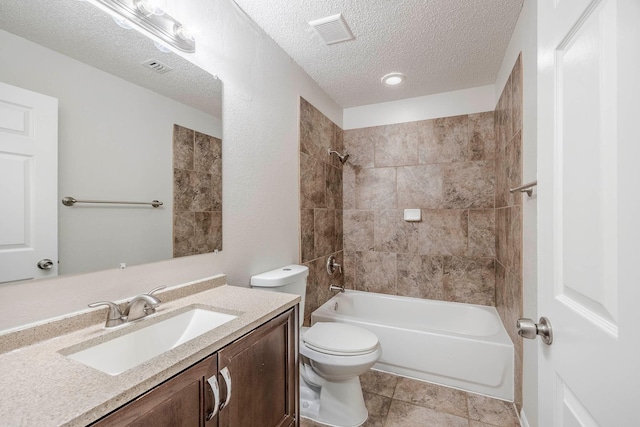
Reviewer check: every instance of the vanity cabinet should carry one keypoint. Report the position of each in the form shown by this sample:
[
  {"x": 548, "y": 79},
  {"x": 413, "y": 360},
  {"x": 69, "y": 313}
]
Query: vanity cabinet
[{"x": 257, "y": 380}]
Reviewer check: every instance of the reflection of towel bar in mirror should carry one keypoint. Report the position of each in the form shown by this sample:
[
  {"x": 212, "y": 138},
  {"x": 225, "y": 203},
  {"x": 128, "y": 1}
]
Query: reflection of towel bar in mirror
[{"x": 70, "y": 201}]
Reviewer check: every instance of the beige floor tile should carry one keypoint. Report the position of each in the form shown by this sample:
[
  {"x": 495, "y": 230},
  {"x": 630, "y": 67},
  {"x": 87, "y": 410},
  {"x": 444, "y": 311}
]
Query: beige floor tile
[
  {"x": 442, "y": 399},
  {"x": 492, "y": 411},
  {"x": 378, "y": 382},
  {"x": 378, "y": 407},
  {"x": 403, "y": 414}
]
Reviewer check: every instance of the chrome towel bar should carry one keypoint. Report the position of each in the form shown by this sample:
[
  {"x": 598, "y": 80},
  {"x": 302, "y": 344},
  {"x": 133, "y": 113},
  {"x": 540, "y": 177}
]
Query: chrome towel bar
[
  {"x": 70, "y": 201},
  {"x": 525, "y": 188}
]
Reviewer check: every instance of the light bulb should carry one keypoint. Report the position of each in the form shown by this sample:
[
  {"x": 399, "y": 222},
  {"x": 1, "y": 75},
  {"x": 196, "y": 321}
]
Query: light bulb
[
  {"x": 183, "y": 32},
  {"x": 393, "y": 79}
]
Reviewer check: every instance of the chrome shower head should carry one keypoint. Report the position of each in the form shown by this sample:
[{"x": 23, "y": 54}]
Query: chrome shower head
[{"x": 343, "y": 157}]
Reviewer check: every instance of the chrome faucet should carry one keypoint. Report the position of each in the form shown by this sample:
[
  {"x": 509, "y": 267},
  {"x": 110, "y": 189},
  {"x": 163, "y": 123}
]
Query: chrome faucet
[
  {"x": 140, "y": 306},
  {"x": 114, "y": 317}
]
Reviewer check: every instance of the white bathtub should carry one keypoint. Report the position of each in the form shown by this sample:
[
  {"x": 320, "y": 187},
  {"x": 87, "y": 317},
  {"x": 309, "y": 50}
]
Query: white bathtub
[{"x": 457, "y": 345}]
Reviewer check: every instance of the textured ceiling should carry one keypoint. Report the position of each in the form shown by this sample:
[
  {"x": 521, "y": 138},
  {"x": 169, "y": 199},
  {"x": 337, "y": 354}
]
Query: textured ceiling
[
  {"x": 83, "y": 32},
  {"x": 440, "y": 45}
]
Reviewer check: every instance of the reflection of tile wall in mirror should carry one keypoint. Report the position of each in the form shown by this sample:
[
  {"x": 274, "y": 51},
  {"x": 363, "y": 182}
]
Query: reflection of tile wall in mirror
[{"x": 197, "y": 192}]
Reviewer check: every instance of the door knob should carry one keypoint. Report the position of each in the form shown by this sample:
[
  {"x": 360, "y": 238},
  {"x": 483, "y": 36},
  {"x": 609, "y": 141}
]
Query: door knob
[
  {"x": 528, "y": 329},
  {"x": 45, "y": 264}
]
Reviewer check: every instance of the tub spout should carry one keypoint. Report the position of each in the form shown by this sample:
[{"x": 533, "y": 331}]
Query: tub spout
[{"x": 336, "y": 288}]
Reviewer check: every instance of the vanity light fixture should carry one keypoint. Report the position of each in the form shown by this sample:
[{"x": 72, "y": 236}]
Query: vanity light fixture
[
  {"x": 393, "y": 79},
  {"x": 148, "y": 18}
]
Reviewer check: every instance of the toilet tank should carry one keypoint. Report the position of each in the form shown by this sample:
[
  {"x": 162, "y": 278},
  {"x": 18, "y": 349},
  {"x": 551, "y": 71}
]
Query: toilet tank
[{"x": 291, "y": 279}]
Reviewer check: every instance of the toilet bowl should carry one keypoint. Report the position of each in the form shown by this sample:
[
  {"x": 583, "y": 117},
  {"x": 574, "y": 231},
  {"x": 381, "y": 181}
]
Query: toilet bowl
[{"x": 333, "y": 356}]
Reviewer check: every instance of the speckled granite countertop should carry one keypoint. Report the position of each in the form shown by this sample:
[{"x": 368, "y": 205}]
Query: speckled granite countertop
[{"x": 42, "y": 387}]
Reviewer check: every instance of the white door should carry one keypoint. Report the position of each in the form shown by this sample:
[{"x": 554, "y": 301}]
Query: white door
[
  {"x": 28, "y": 184},
  {"x": 589, "y": 211}
]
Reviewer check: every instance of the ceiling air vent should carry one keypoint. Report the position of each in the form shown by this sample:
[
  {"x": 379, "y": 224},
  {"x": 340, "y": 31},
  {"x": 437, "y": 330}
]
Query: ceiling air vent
[
  {"x": 157, "y": 66},
  {"x": 332, "y": 29}
]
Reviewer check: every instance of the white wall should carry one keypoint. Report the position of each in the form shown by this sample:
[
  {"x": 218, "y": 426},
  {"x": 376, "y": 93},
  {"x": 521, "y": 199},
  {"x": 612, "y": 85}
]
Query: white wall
[
  {"x": 524, "y": 40},
  {"x": 262, "y": 86},
  {"x": 115, "y": 143},
  {"x": 466, "y": 101}
]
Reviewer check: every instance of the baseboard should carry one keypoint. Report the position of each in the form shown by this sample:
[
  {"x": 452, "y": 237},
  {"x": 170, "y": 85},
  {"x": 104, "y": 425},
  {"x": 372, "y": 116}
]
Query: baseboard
[{"x": 523, "y": 419}]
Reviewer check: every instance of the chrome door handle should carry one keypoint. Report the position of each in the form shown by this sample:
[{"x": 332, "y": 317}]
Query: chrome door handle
[
  {"x": 213, "y": 383},
  {"x": 45, "y": 264},
  {"x": 530, "y": 330},
  {"x": 227, "y": 381}
]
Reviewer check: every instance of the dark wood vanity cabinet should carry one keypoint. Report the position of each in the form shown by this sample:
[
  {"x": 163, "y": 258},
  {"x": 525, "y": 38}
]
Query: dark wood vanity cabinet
[{"x": 260, "y": 388}]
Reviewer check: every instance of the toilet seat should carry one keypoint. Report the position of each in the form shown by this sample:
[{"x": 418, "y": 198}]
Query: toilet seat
[{"x": 339, "y": 339}]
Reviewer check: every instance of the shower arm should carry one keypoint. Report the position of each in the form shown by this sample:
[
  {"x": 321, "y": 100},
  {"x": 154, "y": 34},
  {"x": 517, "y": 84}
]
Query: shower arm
[{"x": 343, "y": 157}]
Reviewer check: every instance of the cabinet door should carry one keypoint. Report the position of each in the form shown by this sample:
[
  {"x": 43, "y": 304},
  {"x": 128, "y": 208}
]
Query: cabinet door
[
  {"x": 263, "y": 371},
  {"x": 183, "y": 401}
]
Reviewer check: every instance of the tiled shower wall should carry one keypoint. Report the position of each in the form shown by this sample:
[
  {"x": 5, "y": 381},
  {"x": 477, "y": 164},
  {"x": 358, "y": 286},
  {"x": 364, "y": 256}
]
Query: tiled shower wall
[
  {"x": 446, "y": 168},
  {"x": 320, "y": 203},
  {"x": 508, "y": 118},
  {"x": 197, "y": 192}
]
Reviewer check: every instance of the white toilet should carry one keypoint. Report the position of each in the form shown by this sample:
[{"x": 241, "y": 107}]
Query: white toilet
[{"x": 334, "y": 355}]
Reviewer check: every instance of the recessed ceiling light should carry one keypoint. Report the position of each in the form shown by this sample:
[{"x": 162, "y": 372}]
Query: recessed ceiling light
[{"x": 393, "y": 79}]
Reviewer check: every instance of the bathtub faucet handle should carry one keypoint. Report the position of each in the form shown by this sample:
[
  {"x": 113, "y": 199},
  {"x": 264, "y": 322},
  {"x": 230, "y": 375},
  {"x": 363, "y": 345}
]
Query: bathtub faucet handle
[
  {"x": 332, "y": 265},
  {"x": 336, "y": 288}
]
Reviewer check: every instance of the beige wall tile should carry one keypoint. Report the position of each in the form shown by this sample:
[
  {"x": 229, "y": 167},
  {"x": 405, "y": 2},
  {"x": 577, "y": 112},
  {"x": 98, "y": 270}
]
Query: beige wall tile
[
  {"x": 444, "y": 140},
  {"x": 393, "y": 234},
  {"x": 307, "y": 234},
  {"x": 324, "y": 236},
  {"x": 469, "y": 280},
  {"x": 360, "y": 143},
  {"x": 312, "y": 183},
  {"x": 516, "y": 95},
  {"x": 348, "y": 187},
  {"x": 420, "y": 276},
  {"x": 376, "y": 188},
  {"x": 376, "y": 272},
  {"x": 182, "y": 147},
  {"x": 420, "y": 186},
  {"x": 443, "y": 232},
  {"x": 397, "y": 145},
  {"x": 482, "y": 233},
  {"x": 482, "y": 139},
  {"x": 358, "y": 230},
  {"x": 468, "y": 185},
  {"x": 333, "y": 186}
]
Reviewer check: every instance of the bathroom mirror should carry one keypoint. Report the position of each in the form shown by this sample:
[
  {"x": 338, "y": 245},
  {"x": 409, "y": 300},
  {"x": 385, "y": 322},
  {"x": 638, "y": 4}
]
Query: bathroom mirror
[{"x": 119, "y": 101}]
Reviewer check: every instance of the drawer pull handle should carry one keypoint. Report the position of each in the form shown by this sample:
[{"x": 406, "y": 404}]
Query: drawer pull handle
[
  {"x": 213, "y": 383},
  {"x": 227, "y": 381}
]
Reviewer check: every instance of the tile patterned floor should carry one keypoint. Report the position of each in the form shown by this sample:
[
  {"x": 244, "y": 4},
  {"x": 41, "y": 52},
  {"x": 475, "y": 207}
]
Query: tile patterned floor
[{"x": 401, "y": 402}]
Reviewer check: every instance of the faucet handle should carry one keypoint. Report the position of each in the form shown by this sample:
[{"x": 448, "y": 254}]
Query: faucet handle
[
  {"x": 114, "y": 317},
  {"x": 159, "y": 288}
]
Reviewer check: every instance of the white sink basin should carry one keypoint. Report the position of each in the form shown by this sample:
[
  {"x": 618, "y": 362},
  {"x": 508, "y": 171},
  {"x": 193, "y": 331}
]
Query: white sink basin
[{"x": 128, "y": 351}]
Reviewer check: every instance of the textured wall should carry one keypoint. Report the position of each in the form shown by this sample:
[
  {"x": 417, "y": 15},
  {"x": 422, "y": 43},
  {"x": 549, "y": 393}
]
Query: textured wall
[
  {"x": 197, "y": 192},
  {"x": 508, "y": 119},
  {"x": 320, "y": 203},
  {"x": 445, "y": 167}
]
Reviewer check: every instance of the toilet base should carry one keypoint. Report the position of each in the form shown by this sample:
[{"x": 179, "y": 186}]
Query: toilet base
[{"x": 336, "y": 404}]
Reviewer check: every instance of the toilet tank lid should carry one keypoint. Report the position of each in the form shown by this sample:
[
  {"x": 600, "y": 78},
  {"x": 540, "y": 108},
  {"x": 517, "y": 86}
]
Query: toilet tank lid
[{"x": 280, "y": 276}]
